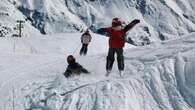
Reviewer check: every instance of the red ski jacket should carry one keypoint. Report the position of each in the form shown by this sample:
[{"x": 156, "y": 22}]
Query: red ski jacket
[{"x": 117, "y": 37}]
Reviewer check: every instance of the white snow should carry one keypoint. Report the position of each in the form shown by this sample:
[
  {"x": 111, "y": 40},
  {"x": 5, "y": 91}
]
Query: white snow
[
  {"x": 160, "y": 76},
  {"x": 157, "y": 77},
  {"x": 173, "y": 5}
]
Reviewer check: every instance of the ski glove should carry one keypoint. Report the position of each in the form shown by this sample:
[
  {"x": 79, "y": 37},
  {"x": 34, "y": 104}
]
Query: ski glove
[{"x": 136, "y": 21}]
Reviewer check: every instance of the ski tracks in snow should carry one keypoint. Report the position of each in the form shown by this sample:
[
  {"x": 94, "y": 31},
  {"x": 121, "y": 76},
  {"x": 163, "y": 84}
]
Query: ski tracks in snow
[
  {"x": 22, "y": 75},
  {"x": 102, "y": 92}
]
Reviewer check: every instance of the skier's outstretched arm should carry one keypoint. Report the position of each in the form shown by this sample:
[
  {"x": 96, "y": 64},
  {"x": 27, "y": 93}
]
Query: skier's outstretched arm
[
  {"x": 83, "y": 70},
  {"x": 131, "y": 25},
  {"x": 103, "y": 31}
]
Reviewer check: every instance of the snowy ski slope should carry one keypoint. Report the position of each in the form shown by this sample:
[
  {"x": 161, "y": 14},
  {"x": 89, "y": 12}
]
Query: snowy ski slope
[{"x": 157, "y": 77}]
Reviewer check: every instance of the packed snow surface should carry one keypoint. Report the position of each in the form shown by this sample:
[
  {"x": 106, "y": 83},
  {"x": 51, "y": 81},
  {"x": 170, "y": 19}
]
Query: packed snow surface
[{"x": 156, "y": 77}]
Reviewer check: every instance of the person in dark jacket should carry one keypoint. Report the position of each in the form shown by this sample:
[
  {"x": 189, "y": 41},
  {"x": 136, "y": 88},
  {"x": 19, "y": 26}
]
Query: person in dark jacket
[
  {"x": 85, "y": 40},
  {"x": 116, "y": 35},
  {"x": 74, "y": 68}
]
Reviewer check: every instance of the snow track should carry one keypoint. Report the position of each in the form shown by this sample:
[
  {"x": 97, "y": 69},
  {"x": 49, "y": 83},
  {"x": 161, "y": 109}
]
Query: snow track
[{"x": 21, "y": 75}]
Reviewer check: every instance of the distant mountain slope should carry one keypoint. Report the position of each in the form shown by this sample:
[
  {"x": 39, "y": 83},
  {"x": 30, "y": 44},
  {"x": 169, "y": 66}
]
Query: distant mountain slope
[
  {"x": 8, "y": 17},
  {"x": 161, "y": 19}
]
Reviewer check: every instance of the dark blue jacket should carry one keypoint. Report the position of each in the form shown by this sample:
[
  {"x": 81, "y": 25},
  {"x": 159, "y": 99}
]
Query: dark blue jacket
[{"x": 76, "y": 69}]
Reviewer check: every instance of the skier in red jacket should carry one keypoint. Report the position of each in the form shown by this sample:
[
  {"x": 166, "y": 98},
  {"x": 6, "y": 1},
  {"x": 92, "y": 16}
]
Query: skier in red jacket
[{"x": 116, "y": 35}]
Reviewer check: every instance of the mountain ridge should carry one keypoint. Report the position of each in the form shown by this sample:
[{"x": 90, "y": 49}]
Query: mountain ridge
[{"x": 162, "y": 19}]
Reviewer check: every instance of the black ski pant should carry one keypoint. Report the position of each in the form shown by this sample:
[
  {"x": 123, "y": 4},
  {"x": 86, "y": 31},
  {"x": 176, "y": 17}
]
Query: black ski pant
[
  {"x": 110, "y": 58},
  {"x": 84, "y": 49}
]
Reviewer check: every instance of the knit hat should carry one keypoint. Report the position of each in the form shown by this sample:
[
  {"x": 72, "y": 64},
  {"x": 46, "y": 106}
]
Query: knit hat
[
  {"x": 71, "y": 59},
  {"x": 116, "y": 22}
]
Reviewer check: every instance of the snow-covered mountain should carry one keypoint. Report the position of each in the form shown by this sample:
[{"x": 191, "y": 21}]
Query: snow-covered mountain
[
  {"x": 9, "y": 15},
  {"x": 160, "y": 19}
]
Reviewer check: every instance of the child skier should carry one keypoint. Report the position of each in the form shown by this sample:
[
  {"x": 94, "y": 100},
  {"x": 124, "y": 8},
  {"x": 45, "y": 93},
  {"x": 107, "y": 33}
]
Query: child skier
[
  {"x": 116, "y": 35},
  {"x": 85, "y": 40},
  {"x": 74, "y": 68}
]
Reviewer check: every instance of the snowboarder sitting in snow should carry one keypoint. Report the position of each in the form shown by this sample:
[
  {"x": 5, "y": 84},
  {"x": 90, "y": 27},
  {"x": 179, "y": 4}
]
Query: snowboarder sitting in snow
[
  {"x": 74, "y": 68},
  {"x": 116, "y": 35},
  {"x": 85, "y": 40}
]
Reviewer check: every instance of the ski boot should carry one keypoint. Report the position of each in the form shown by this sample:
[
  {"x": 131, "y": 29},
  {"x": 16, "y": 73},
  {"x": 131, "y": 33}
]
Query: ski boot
[
  {"x": 121, "y": 73},
  {"x": 108, "y": 72}
]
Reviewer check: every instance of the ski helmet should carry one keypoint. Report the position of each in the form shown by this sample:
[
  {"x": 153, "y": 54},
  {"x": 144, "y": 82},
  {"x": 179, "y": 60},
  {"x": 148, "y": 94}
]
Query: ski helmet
[
  {"x": 116, "y": 22},
  {"x": 71, "y": 59}
]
